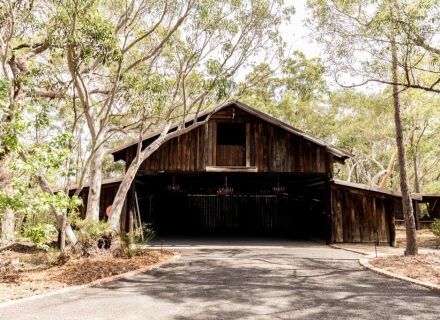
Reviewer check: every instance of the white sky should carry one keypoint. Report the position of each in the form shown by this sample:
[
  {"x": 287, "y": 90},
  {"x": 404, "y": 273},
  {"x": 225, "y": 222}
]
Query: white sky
[{"x": 297, "y": 35}]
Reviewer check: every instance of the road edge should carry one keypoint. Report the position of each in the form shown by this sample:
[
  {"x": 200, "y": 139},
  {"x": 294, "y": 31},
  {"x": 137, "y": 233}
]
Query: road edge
[{"x": 365, "y": 262}]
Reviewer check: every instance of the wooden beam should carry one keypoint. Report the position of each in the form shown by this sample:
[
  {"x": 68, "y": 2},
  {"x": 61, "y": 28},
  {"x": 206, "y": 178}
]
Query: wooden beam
[{"x": 230, "y": 169}]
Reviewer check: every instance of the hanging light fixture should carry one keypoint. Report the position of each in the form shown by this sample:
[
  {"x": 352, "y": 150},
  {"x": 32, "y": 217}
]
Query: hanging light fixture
[
  {"x": 174, "y": 187},
  {"x": 225, "y": 189},
  {"x": 278, "y": 188}
]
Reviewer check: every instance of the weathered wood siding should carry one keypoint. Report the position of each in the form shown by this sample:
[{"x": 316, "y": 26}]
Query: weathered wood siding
[
  {"x": 362, "y": 216},
  {"x": 108, "y": 193},
  {"x": 268, "y": 148}
]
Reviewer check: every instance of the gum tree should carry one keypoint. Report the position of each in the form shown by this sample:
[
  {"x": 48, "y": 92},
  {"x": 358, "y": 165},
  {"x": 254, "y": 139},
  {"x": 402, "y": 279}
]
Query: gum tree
[
  {"x": 376, "y": 42},
  {"x": 23, "y": 54}
]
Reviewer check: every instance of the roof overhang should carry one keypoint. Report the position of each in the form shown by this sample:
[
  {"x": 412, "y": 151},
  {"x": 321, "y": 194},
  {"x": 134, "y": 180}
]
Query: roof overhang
[{"x": 340, "y": 154}]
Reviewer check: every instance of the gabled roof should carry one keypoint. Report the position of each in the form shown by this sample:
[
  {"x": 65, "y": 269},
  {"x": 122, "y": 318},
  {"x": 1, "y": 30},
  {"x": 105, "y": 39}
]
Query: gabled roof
[{"x": 206, "y": 114}]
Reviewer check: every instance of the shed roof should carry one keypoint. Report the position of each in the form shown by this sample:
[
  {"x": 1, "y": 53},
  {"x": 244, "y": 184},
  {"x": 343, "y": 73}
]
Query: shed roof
[
  {"x": 204, "y": 116},
  {"x": 360, "y": 186}
]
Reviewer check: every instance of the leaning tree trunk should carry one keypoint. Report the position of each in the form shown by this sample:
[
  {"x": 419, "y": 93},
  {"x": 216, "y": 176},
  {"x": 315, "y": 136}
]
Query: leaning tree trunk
[
  {"x": 118, "y": 203},
  {"x": 411, "y": 235},
  {"x": 95, "y": 181}
]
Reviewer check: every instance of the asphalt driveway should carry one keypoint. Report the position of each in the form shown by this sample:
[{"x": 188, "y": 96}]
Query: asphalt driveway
[{"x": 286, "y": 280}]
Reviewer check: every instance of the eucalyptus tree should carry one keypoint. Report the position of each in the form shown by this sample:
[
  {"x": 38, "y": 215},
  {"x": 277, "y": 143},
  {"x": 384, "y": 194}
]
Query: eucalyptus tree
[
  {"x": 23, "y": 86},
  {"x": 373, "y": 41},
  {"x": 217, "y": 40},
  {"x": 141, "y": 65},
  {"x": 294, "y": 92}
]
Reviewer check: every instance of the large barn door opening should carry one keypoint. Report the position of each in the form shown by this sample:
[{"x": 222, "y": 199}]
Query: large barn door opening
[{"x": 257, "y": 205}]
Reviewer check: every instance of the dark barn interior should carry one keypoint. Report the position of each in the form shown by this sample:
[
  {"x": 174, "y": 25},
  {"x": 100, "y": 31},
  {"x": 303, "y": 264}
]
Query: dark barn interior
[{"x": 233, "y": 204}]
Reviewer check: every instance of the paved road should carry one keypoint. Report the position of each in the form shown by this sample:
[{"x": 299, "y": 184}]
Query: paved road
[{"x": 295, "y": 280}]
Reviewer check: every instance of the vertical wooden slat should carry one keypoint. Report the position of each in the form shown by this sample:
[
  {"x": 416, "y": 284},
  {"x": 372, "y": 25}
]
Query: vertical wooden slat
[
  {"x": 214, "y": 143},
  {"x": 209, "y": 144},
  {"x": 248, "y": 144}
]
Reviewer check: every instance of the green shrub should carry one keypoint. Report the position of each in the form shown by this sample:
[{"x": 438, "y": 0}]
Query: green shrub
[
  {"x": 144, "y": 234},
  {"x": 91, "y": 232},
  {"x": 435, "y": 227},
  {"x": 41, "y": 234},
  {"x": 94, "y": 237}
]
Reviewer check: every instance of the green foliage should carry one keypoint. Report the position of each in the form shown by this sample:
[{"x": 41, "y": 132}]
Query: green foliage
[
  {"x": 41, "y": 234},
  {"x": 93, "y": 35},
  {"x": 144, "y": 234},
  {"x": 435, "y": 227},
  {"x": 131, "y": 244},
  {"x": 93, "y": 236}
]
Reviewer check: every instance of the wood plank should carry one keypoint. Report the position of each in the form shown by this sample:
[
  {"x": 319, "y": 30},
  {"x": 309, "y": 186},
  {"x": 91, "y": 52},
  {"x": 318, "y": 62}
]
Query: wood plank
[
  {"x": 248, "y": 144},
  {"x": 214, "y": 143},
  {"x": 209, "y": 145},
  {"x": 231, "y": 169}
]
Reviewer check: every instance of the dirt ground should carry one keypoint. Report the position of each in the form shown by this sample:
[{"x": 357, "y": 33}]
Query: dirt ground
[
  {"x": 424, "y": 267},
  {"x": 425, "y": 239},
  {"x": 25, "y": 271}
]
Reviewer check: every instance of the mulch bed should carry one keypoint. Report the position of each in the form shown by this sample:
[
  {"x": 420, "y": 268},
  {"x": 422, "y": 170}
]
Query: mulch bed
[
  {"x": 425, "y": 239},
  {"x": 25, "y": 271},
  {"x": 423, "y": 267}
]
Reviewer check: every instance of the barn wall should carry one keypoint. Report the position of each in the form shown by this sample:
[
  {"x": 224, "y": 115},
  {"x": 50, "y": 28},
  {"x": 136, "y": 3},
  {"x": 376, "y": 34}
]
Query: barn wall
[
  {"x": 362, "y": 216},
  {"x": 268, "y": 148},
  {"x": 108, "y": 193}
]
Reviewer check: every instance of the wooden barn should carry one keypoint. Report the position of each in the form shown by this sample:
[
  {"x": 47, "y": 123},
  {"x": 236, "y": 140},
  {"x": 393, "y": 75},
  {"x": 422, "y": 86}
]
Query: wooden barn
[
  {"x": 243, "y": 172},
  {"x": 429, "y": 209}
]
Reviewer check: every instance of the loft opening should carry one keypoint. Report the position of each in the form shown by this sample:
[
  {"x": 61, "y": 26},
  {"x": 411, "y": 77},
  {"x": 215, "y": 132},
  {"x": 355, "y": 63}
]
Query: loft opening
[
  {"x": 231, "y": 134},
  {"x": 231, "y": 144}
]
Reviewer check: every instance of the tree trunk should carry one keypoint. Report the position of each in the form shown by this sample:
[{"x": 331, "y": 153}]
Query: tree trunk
[
  {"x": 62, "y": 234},
  {"x": 118, "y": 203},
  {"x": 130, "y": 210},
  {"x": 95, "y": 182},
  {"x": 8, "y": 225},
  {"x": 8, "y": 219},
  {"x": 389, "y": 170},
  {"x": 416, "y": 190},
  {"x": 44, "y": 185},
  {"x": 411, "y": 235}
]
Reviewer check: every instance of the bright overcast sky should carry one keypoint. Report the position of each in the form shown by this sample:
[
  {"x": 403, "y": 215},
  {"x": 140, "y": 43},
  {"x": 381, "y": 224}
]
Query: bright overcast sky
[{"x": 296, "y": 34}]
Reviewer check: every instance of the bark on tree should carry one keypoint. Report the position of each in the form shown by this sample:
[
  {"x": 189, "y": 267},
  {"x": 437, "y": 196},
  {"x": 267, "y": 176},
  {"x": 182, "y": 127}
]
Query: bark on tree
[
  {"x": 389, "y": 170},
  {"x": 416, "y": 189},
  {"x": 8, "y": 219},
  {"x": 94, "y": 194},
  {"x": 8, "y": 225},
  {"x": 62, "y": 234},
  {"x": 411, "y": 235},
  {"x": 130, "y": 174},
  {"x": 70, "y": 235}
]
